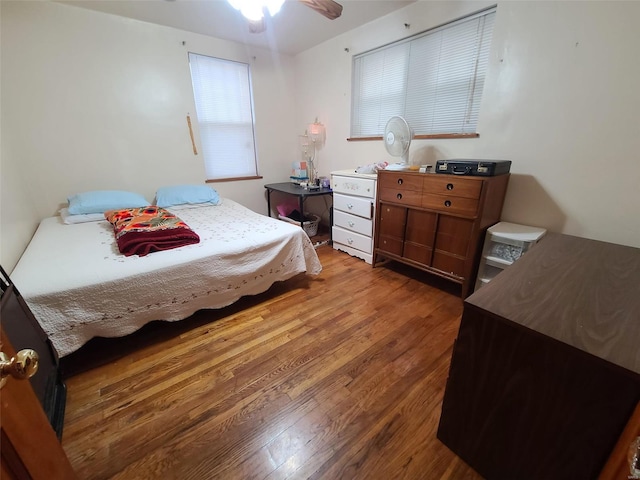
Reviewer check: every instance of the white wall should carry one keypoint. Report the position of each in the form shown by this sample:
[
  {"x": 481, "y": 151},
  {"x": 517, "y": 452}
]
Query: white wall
[
  {"x": 95, "y": 101},
  {"x": 561, "y": 101},
  {"x": 91, "y": 100}
]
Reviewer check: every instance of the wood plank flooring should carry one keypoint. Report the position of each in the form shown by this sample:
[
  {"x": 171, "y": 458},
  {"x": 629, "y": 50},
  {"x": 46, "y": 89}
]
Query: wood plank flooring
[{"x": 339, "y": 376}]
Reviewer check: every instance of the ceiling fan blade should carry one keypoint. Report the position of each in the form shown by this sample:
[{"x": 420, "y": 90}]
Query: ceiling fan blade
[
  {"x": 256, "y": 26},
  {"x": 328, "y": 8}
]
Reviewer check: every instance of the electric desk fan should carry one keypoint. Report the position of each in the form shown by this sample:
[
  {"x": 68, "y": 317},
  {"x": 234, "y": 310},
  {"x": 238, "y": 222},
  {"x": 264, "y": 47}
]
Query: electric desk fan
[{"x": 397, "y": 138}]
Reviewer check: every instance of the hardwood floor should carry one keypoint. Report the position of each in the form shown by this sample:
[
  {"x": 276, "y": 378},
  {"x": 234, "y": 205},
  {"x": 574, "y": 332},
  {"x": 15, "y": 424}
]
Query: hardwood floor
[{"x": 337, "y": 376}]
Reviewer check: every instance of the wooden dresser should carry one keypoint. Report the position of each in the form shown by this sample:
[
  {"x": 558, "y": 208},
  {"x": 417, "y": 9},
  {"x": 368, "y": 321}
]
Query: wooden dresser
[
  {"x": 436, "y": 222},
  {"x": 545, "y": 371}
]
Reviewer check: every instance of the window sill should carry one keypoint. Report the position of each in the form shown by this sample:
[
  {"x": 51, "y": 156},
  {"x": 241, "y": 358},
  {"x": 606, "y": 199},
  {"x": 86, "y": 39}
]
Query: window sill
[
  {"x": 420, "y": 137},
  {"x": 234, "y": 179}
]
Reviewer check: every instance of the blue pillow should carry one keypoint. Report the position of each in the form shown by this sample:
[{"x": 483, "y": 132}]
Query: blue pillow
[
  {"x": 100, "y": 201},
  {"x": 186, "y": 194}
]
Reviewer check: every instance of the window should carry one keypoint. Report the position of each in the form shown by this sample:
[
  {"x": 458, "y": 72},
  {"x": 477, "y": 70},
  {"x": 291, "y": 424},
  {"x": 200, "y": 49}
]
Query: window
[
  {"x": 224, "y": 105},
  {"x": 433, "y": 79}
]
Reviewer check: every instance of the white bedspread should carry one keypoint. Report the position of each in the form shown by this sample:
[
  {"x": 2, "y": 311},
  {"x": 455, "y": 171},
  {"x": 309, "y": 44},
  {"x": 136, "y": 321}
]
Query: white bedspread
[{"x": 79, "y": 286}]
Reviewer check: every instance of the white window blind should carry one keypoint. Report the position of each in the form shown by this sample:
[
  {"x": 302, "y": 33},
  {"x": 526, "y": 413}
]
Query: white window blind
[
  {"x": 222, "y": 92},
  {"x": 433, "y": 79}
]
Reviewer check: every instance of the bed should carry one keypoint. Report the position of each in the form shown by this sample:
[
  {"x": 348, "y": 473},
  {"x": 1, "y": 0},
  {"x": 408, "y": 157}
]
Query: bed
[{"x": 80, "y": 286}]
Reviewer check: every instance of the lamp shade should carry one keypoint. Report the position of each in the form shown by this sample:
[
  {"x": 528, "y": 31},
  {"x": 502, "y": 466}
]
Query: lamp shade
[{"x": 317, "y": 132}]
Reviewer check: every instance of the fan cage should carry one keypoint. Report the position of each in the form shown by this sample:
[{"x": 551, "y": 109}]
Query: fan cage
[{"x": 401, "y": 134}]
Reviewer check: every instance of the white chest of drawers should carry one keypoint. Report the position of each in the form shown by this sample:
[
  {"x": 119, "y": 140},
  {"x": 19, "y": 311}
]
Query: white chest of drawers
[{"x": 354, "y": 199}]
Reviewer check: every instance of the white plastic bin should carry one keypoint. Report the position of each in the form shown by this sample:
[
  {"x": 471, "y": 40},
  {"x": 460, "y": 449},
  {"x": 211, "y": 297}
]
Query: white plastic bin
[{"x": 504, "y": 244}]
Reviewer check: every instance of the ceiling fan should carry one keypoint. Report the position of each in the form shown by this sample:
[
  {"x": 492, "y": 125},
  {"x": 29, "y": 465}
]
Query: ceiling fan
[{"x": 253, "y": 10}]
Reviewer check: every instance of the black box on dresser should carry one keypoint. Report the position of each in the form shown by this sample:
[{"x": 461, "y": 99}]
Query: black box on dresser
[{"x": 476, "y": 168}]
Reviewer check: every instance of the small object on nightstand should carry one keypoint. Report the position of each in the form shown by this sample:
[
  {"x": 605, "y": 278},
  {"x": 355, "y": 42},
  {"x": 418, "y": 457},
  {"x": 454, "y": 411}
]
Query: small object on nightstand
[{"x": 299, "y": 180}]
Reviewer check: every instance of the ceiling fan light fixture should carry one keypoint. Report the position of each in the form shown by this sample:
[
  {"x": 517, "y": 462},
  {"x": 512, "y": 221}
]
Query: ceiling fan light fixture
[
  {"x": 274, "y": 6},
  {"x": 254, "y": 9}
]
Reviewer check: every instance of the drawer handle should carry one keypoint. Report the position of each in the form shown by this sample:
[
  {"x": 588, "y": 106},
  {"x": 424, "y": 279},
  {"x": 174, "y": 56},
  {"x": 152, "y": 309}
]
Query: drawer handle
[
  {"x": 399, "y": 196},
  {"x": 351, "y": 224},
  {"x": 449, "y": 186},
  {"x": 400, "y": 181},
  {"x": 349, "y": 206},
  {"x": 466, "y": 171},
  {"x": 350, "y": 241},
  {"x": 447, "y": 203}
]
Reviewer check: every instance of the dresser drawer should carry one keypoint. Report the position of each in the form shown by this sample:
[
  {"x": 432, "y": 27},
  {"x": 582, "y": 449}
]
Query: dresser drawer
[
  {"x": 452, "y": 186},
  {"x": 450, "y": 204},
  {"x": 355, "y": 205},
  {"x": 401, "y": 196},
  {"x": 363, "y": 187},
  {"x": 400, "y": 180},
  {"x": 353, "y": 222},
  {"x": 352, "y": 239}
]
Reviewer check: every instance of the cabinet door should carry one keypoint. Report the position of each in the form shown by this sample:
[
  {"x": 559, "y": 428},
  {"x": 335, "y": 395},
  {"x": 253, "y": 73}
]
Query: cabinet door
[
  {"x": 420, "y": 236},
  {"x": 391, "y": 228},
  {"x": 452, "y": 244}
]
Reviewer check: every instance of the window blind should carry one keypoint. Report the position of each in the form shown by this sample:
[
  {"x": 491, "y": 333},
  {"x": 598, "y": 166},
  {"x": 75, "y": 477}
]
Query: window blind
[
  {"x": 433, "y": 79},
  {"x": 224, "y": 107}
]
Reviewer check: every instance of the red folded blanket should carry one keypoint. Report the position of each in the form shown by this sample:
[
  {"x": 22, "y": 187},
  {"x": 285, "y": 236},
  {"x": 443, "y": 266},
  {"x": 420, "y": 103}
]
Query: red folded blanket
[{"x": 140, "y": 231}]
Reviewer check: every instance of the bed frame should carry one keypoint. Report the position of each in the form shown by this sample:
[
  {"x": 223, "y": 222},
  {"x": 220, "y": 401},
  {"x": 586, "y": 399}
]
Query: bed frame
[{"x": 79, "y": 286}]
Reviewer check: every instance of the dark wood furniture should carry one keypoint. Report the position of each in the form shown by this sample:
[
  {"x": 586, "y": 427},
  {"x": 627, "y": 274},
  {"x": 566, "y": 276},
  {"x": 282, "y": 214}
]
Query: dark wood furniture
[
  {"x": 545, "y": 371},
  {"x": 436, "y": 222},
  {"x": 24, "y": 331},
  {"x": 290, "y": 188}
]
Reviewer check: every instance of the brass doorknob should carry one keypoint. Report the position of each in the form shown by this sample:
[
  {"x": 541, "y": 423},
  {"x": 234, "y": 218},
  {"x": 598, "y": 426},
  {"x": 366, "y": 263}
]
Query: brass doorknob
[{"x": 23, "y": 365}]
